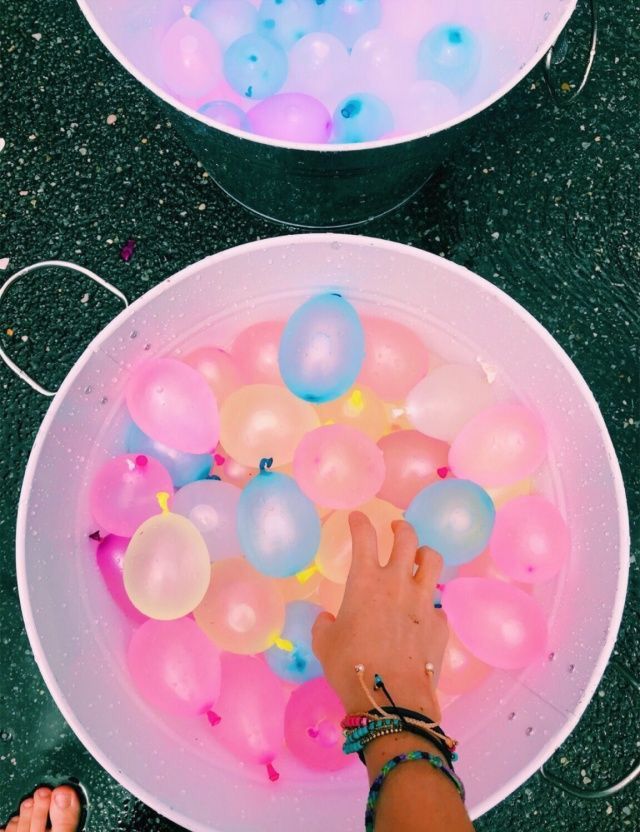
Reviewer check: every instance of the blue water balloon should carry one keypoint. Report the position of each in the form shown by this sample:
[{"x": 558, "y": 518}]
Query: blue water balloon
[
  {"x": 300, "y": 664},
  {"x": 322, "y": 348},
  {"x": 278, "y": 526},
  {"x": 286, "y": 21},
  {"x": 226, "y": 113},
  {"x": 182, "y": 467},
  {"x": 255, "y": 66},
  {"x": 362, "y": 117},
  {"x": 454, "y": 517},
  {"x": 227, "y": 20},
  {"x": 449, "y": 54},
  {"x": 348, "y": 19}
]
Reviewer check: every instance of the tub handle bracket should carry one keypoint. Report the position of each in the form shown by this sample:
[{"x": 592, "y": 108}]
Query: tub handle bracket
[
  {"x": 61, "y": 264},
  {"x": 556, "y": 56}
]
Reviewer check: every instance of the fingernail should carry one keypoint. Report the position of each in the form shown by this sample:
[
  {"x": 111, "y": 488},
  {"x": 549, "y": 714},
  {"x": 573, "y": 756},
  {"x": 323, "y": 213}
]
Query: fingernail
[{"x": 63, "y": 800}]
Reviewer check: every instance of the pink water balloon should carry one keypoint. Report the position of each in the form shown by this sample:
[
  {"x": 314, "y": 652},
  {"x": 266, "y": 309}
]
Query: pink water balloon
[
  {"x": 175, "y": 667},
  {"x": 312, "y": 727},
  {"x": 500, "y": 445},
  {"x": 412, "y": 460},
  {"x": 530, "y": 540},
  {"x": 484, "y": 566},
  {"x": 395, "y": 359},
  {"x": 255, "y": 351},
  {"x": 242, "y": 611},
  {"x": 110, "y": 559},
  {"x": 461, "y": 671},
  {"x": 173, "y": 404},
  {"x": 123, "y": 492},
  {"x": 443, "y": 402},
  {"x": 231, "y": 471},
  {"x": 291, "y": 117},
  {"x": 190, "y": 58},
  {"x": 338, "y": 466},
  {"x": 218, "y": 368},
  {"x": 251, "y": 707},
  {"x": 499, "y": 623}
]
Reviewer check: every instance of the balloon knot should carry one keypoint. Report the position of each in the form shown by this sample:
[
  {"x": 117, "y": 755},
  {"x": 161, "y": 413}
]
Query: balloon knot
[
  {"x": 313, "y": 733},
  {"x": 284, "y": 644},
  {"x": 219, "y": 459},
  {"x": 265, "y": 464},
  {"x": 442, "y": 472},
  {"x": 141, "y": 460},
  {"x": 356, "y": 401},
  {"x": 214, "y": 718},
  {"x": 440, "y": 587},
  {"x": 306, "y": 574},
  {"x": 163, "y": 501},
  {"x": 273, "y": 774}
]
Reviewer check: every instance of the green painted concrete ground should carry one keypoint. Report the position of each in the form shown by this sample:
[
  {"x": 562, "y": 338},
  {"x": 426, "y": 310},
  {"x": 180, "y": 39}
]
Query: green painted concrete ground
[{"x": 543, "y": 203}]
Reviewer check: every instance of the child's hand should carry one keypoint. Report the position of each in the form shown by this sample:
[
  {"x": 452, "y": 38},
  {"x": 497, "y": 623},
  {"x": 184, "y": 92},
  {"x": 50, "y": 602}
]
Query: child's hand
[{"x": 387, "y": 623}]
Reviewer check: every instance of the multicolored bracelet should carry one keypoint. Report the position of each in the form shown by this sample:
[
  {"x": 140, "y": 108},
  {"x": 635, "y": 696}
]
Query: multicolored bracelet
[{"x": 376, "y": 786}]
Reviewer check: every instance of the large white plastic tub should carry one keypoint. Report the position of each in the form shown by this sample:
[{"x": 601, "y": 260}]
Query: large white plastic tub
[{"x": 507, "y": 728}]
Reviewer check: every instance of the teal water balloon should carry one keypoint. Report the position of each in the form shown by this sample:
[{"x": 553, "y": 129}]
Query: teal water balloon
[
  {"x": 322, "y": 348},
  {"x": 449, "y": 54},
  {"x": 454, "y": 517},
  {"x": 225, "y": 112},
  {"x": 362, "y": 117},
  {"x": 255, "y": 66},
  {"x": 348, "y": 19},
  {"x": 300, "y": 664},
  {"x": 286, "y": 21},
  {"x": 182, "y": 467},
  {"x": 278, "y": 527}
]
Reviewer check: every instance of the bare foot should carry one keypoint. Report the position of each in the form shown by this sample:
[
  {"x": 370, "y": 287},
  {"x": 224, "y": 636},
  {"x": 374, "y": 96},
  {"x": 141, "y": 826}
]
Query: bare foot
[{"x": 61, "y": 806}]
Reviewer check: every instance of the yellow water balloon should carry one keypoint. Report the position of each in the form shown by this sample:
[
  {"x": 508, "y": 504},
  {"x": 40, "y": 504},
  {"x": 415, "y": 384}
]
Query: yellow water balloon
[{"x": 361, "y": 409}]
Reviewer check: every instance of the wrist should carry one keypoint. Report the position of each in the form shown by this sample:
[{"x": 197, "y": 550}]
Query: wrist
[{"x": 382, "y": 749}]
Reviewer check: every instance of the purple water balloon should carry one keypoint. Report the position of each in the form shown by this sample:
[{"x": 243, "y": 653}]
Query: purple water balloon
[
  {"x": 110, "y": 560},
  {"x": 292, "y": 117},
  {"x": 227, "y": 113}
]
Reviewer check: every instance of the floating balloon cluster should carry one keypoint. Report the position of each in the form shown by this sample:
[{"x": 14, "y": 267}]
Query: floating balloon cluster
[
  {"x": 223, "y": 524},
  {"x": 314, "y": 71}
]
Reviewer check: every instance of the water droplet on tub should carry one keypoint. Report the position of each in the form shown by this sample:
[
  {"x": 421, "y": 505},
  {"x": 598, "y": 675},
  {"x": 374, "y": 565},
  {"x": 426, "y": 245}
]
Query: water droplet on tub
[
  {"x": 551, "y": 656},
  {"x": 571, "y": 668},
  {"x": 88, "y": 389},
  {"x": 147, "y": 347},
  {"x": 133, "y": 334},
  {"x": 5, "y": 735},
  {"x": 529, "y": 731},
  {"x": 512, "y": 715}
]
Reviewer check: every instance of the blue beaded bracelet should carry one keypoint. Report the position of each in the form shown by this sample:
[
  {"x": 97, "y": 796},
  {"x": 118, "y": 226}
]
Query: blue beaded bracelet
[{"x": 376, "y": 786}]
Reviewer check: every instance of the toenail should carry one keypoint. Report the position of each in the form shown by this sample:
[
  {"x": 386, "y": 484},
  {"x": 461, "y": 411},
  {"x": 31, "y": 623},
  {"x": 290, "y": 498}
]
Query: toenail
[
  {"x": 27, "y": 804},
  {"x": 43, "y": 793},
  {"x": 63, "y": 799}
]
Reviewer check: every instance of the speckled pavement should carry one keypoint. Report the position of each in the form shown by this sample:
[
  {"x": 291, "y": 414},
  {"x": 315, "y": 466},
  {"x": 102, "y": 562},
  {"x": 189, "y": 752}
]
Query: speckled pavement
[{"x": 543, "y": 202}]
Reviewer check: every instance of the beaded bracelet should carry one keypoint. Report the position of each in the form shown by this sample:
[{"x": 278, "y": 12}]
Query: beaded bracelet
[{"x": 376, "y": 786}]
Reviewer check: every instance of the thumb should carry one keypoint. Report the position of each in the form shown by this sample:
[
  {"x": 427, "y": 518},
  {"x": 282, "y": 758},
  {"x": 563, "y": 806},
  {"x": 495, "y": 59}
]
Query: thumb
[{"x": 320, "y": 633}]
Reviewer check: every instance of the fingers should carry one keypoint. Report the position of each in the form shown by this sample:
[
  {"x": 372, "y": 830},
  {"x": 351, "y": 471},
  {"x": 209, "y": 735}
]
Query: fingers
[
  {"x": 430, "y": 565},
  {"x": 364, "y": 542},
  {"x": 41, "y": 802},
  {"x": 405, "y": 543},
  {"x": 320, "y": 633}
]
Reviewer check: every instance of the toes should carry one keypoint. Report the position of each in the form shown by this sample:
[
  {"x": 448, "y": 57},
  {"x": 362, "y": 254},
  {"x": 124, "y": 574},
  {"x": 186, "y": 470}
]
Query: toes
[
  {"x": 26, "y": 810},
  {"x": 41, "y": 804},
  {"x": 13, "y": 824},
  {"x": 64, "y": 810}
]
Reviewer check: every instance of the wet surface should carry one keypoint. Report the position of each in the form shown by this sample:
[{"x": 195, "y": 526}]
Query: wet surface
[{"x": 542, "y": 202}]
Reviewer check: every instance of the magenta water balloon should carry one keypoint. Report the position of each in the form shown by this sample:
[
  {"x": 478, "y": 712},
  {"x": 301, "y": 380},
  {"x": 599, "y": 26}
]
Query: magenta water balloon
[
  {"x": 251, "y": 707},
  {"x": 530, "y": 540},
  {"x": 322, "y": 348},
  {"x": 175, "y": 667},
  {"x": 110, "y": 560},
  {"x": 173, "y": 404},
  {"x": 292, "y": 117},
  {"x": 312, "y": 727},
  {"x": 499, "y": 623},
  {"x": 123, "y": 492},
  {"x": 499, "y": 446},
  {"x": 191, "y": 59},
  {"x": 212, "y": 507}
]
